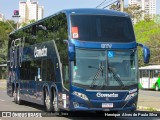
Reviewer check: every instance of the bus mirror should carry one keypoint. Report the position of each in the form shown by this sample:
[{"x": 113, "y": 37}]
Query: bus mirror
[{"x": 146, "y": 53}]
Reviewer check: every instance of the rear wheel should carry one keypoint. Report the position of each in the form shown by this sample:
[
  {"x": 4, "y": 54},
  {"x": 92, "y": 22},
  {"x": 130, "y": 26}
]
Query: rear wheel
[
  {"x": 48, "y": 102},
  {"x": 19, "y": 101},
  {"x": 15, "y": 95},
  {"x": 55, "y": 102}
]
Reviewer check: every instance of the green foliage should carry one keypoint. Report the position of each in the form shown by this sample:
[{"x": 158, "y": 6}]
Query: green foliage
[
  {"x": 135, "y": 12},
  {"x": 5, "y": 29},
  {"x": 148, "y": 33}
]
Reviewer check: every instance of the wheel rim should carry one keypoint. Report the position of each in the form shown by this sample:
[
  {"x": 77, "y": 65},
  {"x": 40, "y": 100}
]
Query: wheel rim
[
  {"x": 14, "y": 94},
  {"x": 18, "y": 95},
  {"x": 157, "y": 88},
  {"x": 55, "y": 102},
  {"x": 47, "y": 101}
]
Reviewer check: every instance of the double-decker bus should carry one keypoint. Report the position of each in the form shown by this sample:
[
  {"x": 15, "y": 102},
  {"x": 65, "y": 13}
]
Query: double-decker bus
[
  {"x": 76, "y": 59},
  {"x": 150, "y": 77}
]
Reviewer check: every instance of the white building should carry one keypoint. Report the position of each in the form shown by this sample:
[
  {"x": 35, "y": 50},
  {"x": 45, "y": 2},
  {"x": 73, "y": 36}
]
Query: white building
[
  {"x": 134, "y": 2},
  {"x": 40, "y": 12},
  {"x": 149, "y": 6},
  {"x": 1, "y": 17},
  {"x": 29, "y": 10},
  {"x": 23, "y": 11}
]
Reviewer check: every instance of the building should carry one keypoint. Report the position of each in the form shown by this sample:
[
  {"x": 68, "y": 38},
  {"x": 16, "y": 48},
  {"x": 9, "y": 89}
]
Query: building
[
  {"x": 134, "y": 2},
  {"x": 1, "y": 17},
  {"x": 40, "y": 12},
  {"x": 148, "y": 6},
  {"x": 30, "y": 10}
]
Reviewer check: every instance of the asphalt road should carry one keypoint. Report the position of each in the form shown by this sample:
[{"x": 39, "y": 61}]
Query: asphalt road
[
  {"x": 7, "y": 104},
  {"x": 149, "y": 98}
]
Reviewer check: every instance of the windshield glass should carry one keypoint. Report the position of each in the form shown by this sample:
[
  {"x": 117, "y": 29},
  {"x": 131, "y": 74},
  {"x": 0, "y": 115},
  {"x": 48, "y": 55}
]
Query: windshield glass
[
  {"x": 99, "y": 68},
  {"x": 101, "y": 28}
]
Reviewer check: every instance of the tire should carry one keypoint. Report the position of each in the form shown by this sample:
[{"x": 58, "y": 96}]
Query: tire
[
  {"x": 156, "y": 87},
  {"x": 55, "y": 102},
  {"x": 48, "y": 102},
  {"x": 19, "y": 101},
  {"x": 15, "y": 95}
]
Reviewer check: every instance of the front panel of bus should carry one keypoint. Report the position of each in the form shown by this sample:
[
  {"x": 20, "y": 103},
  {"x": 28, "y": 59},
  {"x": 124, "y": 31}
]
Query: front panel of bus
[{"x": 104, "y": 71}]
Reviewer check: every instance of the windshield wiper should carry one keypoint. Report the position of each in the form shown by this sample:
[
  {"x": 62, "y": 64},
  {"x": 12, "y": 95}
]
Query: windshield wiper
[
  {"x": 116, "y": 77},
  {"x": 100, "y": 70}
]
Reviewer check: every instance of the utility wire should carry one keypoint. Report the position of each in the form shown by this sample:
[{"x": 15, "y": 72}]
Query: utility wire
[
  {"x": 104, "y": 2},
  {"x": 101, "y": 3},
  {"x": 110, "y": 4},
  {"x": 10, "y": 25}
]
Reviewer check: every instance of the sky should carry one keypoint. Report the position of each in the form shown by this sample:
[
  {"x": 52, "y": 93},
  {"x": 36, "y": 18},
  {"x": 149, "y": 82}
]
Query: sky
[{"x": 50, "y": 6}]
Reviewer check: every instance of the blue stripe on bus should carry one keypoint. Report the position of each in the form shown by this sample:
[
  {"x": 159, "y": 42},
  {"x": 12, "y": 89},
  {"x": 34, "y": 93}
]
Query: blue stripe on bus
[{"x": 85, "y": 44}]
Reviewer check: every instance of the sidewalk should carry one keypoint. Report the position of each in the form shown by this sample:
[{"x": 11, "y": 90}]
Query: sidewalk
[{"x": 3, "y": 84}]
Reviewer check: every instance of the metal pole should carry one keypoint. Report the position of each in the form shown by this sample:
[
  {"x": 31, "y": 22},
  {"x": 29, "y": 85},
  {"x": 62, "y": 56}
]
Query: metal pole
[{"x": 121, "y": 5}]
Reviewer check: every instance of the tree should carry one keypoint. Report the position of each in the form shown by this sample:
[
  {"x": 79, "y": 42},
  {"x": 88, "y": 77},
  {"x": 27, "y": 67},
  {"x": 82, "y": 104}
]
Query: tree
[
  {"x": 5, "y": 29},
  {"x": 135, "y": 12},
  {"x": 147, "y": 32}
]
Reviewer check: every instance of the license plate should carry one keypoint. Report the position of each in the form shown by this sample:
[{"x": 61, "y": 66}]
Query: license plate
[{"x": 107, "y": 105}]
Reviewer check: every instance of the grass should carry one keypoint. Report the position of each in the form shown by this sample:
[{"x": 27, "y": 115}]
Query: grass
[
  {"x": 147, "y": 109},
  {"x": 151, "y": 109}
]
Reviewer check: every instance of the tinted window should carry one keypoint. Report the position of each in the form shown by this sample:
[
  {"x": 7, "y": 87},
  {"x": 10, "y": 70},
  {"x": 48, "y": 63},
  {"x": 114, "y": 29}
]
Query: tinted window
[
  {"x": 102, "y": 28},
  {"x": 38, "y": 69}
]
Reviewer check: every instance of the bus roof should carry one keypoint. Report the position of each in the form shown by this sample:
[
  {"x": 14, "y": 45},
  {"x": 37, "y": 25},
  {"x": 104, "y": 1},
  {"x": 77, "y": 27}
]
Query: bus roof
[
  {"x": 91, "y": 11},
  {"x": 150, "y": 67},
  {"x": 96, "y": 12}
]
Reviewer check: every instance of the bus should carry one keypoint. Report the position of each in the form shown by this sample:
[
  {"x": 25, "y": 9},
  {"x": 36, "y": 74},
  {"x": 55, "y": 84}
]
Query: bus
[
  {"x": 76, "y": 60},
  {"x": 150, "y": 77}
]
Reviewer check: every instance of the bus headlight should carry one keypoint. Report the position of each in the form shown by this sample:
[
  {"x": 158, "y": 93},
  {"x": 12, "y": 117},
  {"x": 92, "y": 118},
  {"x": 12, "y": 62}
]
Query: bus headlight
[
  {"x": 83, "y": 96},
  {"x": 130, "y": 96}
]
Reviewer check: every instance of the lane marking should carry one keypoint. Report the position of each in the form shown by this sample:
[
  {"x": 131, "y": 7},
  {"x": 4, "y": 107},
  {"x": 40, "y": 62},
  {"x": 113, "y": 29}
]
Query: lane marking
[{"x": 2, "y": 100}]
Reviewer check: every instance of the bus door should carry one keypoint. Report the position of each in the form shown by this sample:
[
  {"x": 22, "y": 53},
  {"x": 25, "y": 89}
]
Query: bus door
[
  {"x": 151, "y": 78},
  {"x": 155, "y": 76},
  {"x": 145, "y": 79}
]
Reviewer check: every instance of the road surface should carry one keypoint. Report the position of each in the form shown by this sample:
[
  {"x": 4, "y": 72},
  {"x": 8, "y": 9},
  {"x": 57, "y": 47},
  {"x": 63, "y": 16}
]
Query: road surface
[{"x": 7, "y": 104}]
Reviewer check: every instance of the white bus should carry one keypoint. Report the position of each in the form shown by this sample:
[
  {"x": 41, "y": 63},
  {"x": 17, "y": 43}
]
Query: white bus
[{"x": 150, "y": 77}]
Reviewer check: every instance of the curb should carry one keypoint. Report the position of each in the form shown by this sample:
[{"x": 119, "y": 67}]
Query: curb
[{"x": 147, "y": 108}]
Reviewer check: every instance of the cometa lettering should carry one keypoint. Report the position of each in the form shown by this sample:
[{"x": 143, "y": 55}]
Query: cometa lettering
[
  {"x": 40, "y": 52},
  {"x": 106, "y": 95}
]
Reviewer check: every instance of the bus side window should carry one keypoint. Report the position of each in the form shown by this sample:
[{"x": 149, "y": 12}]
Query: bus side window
[{"x": 48, "y": 72}]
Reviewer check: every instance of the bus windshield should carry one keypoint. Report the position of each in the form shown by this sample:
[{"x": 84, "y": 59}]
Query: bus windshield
[
  {"x": 91, "y": 68},
  {"x": 101, "y": 28}
]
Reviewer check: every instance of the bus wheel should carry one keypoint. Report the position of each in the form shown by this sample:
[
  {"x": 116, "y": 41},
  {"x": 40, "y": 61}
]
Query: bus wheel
[
  {"x": 48, "y": 103},
  {"x": 15, "y": 95},
  {"x": 55, "y": 102},
  {"x": 19, "y": 101},
  {"x": 156, "y": 87}
]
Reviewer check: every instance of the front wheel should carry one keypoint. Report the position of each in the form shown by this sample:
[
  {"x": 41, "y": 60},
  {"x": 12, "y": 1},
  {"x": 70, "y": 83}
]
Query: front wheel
[{"x": 157, "y": 87}]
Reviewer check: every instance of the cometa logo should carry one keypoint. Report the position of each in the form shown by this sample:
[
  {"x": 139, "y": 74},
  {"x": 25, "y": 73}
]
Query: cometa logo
[
  {"x": 40, "y": 52},
  {"x": 106, "y": 95}
]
